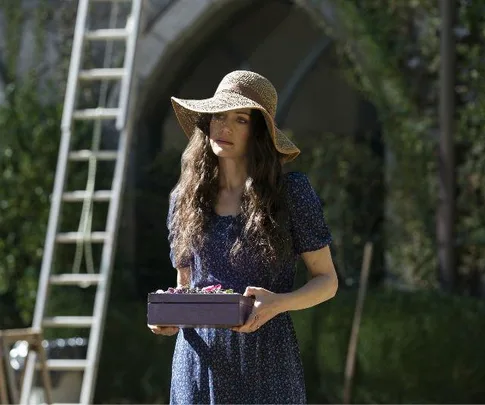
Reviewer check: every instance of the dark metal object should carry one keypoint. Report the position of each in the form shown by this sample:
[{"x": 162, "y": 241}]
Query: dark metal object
[{"x": 446, "y": 198}]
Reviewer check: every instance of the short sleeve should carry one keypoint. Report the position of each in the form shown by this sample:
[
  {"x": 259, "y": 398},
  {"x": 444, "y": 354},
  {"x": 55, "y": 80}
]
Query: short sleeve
[
  {"x": 308, "y": 227},
  {"x": 185, "y": 262}
]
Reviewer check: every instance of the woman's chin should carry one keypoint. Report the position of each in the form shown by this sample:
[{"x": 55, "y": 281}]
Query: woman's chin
[{"x": 223, "y": 153}]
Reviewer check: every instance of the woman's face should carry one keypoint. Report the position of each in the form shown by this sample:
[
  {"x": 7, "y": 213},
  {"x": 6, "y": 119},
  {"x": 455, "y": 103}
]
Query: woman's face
[{"x": 229, "y": 133}]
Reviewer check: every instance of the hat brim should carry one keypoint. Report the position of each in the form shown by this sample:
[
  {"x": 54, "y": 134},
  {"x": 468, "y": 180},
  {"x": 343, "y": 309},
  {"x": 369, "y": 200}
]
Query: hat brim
[{"x": 189, "y": 112}]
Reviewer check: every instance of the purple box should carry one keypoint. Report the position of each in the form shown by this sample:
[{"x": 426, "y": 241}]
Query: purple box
[{"x": 198, "y": 310}]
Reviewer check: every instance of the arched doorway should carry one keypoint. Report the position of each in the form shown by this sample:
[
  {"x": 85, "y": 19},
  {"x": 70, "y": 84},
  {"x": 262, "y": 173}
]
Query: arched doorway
[{"x": 274, "y": 38}]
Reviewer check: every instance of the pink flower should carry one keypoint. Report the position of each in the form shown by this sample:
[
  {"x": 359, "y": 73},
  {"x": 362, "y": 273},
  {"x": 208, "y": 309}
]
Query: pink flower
[{"x": 212, "y": 288}]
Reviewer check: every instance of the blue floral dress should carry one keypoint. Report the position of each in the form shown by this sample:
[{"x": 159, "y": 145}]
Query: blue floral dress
[{"x": 264, "y": 367}]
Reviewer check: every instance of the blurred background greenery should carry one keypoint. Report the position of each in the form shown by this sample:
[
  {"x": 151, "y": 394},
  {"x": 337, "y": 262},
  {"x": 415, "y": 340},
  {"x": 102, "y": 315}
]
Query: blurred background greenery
[{"x": 417, "y": 343}]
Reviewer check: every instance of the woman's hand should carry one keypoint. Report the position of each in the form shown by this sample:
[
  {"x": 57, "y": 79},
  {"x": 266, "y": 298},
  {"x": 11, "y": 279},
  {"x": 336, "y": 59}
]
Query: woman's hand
[
  {"x": 266, "y": 306},
  {"x": 164, "y": 330}
]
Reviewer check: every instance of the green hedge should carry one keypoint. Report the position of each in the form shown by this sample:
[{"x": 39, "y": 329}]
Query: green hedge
[
  {"x": 420, "y": 347},
  {"x": 390, "y": 51},
  {"x": 135, "y": 365},
  {"x": 413, "y": 348}
]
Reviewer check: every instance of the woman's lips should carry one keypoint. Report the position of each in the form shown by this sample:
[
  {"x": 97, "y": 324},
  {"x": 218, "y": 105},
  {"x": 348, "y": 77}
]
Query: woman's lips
[{"x": 223, "y": 142}]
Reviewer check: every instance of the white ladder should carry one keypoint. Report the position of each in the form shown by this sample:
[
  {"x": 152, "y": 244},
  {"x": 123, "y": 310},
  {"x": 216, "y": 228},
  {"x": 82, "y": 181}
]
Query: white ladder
[{"x": 84, "y": 236}]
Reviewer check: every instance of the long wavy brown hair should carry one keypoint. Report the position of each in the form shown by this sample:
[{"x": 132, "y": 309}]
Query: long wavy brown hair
[{"x": 263, "y": 207}]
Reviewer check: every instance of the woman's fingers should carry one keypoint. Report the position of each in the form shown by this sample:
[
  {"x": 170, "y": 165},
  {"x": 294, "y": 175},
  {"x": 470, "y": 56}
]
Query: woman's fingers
[
  {"x": 253, "y": 323},
  {"x": 163, "y": 330},
  {"x": 252, "y": 291},
  {"x": 168, "y": 331}
]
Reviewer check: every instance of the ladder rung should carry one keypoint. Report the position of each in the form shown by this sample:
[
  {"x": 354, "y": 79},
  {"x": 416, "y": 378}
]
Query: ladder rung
[
  {"x": 75, "y": 196},
  {"x": 99, "y": 74},
  {"x": 75, "y": 279},
  {"x": 83, "y": 155},
  {"x": 72, "y": 237},
  {"x": 68, "y": 322},
  {"x": 106, "y": 34},
  {"x": 96, "y": 114},
  {"x": 63, "y": 403},
  {"x": 65, "y": 364}
]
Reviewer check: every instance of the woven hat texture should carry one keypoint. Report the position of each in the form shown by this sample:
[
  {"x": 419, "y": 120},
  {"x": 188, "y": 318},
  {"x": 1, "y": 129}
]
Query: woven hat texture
[{"x": 238, "y": 89}]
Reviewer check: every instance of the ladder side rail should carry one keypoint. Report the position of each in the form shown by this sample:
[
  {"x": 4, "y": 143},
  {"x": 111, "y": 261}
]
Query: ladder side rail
[
  {"x": 3, "y": 381},
  {"x": 75, "y": 64},
  {"x": 60, "y": 177},
  {"x": 126, "y": 83},
  {"x": 102, "y": 293},
  {"x": 84, "y": 247}
]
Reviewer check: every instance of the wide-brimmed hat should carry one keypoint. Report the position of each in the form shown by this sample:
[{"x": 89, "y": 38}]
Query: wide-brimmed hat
[{"x": 237, "y": 90}]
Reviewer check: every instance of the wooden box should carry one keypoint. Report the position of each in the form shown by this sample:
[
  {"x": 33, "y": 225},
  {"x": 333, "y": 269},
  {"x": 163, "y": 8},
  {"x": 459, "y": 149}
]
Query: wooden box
[{"x": 198, "y": 310}]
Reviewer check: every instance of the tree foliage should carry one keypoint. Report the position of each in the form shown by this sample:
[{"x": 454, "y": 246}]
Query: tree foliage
[
  {"x": 391, "y": 52},
  {"x": 30, "y": 121},
  {"x": 27, "y": 167},
  {"x": 402, "y": 355}
]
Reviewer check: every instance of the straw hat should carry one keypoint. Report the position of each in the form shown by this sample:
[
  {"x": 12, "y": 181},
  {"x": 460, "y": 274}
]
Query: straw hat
[{"x": 237, "y": 90}]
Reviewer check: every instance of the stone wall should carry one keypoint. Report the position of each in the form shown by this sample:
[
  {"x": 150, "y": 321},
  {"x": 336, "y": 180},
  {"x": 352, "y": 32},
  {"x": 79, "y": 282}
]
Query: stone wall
[{"x": 185, "y": 48}]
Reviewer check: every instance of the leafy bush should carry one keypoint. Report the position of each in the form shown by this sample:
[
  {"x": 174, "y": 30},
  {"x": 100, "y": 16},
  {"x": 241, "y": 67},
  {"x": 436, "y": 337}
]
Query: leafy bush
[
  {"x": 347, "y": 173},
  {"x": 391, "y": 52},
  {"x": 421, "y": 347},
  {"x": 28, "y": 151},
  {"x": 413, "y": 348},
  {"x": 135, "y": 365},
  {"x": 28, "y": 158}
]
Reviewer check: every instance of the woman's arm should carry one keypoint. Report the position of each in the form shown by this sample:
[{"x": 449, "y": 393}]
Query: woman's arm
[{"x": 322, "y": 285}]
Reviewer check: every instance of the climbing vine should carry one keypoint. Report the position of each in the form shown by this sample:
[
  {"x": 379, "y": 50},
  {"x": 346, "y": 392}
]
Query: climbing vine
[
  {"x": 390, "y": 52},
  {"x": 28, "y": 155}
]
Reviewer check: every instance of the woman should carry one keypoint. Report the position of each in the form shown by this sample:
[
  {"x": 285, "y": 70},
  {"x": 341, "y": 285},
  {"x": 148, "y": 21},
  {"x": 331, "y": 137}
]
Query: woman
[{"x": 237, "y": 220}]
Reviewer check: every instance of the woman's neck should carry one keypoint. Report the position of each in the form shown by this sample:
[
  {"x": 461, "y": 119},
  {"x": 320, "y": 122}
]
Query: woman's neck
[{"x": 232, "y": 174}]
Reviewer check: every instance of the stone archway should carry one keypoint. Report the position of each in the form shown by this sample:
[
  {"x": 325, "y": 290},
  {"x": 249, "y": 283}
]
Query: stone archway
[
  {"x": 188, "y": 59},
  {"x": 179, "y": 30}
]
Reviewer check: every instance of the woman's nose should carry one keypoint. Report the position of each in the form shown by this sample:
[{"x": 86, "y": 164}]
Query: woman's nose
[{"x": 225, "y": 127}]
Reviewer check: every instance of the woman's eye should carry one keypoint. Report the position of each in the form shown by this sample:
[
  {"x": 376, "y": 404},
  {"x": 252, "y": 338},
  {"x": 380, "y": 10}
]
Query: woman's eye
[
  {"x": 218, "y": 116},
  {"x": 242, "y": 120}
]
